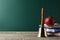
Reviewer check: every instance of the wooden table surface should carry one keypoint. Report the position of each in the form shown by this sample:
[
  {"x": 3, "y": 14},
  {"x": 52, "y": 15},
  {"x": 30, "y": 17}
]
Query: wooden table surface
[{"x": 23, "y": 36}]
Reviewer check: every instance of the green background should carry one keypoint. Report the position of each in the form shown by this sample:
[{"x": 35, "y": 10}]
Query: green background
[{"x": 24, "y": 15}]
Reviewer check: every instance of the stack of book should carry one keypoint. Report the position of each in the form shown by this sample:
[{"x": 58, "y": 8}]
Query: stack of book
[{"x": 53, "y": 31}]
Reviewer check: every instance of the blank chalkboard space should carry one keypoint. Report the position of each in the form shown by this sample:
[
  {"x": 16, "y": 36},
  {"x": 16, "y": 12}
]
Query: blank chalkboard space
[{"x": 24, "y": 15}]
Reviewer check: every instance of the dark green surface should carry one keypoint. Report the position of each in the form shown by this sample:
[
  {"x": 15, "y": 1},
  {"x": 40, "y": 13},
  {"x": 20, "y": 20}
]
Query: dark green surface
[{"x": 24, "y": 15}]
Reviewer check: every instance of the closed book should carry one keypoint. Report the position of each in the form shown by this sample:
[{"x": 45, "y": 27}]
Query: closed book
[
  {"x": 54, "y": 34},
  {"x": 53, "y": 27},
  {"x": 52, "y": 30}
]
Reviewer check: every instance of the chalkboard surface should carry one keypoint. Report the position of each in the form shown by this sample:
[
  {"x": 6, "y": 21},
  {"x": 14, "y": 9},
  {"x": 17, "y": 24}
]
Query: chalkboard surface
[{"x": 24, "y": 15}]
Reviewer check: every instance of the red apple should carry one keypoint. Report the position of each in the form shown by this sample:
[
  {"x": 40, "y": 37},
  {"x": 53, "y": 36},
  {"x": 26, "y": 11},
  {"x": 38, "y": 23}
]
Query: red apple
[{"x": 50, "y": 21}]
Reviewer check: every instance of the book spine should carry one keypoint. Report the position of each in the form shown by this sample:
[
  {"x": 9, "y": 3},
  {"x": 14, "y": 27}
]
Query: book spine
[
  {"x": 53, "y": 34},
  {"x": 52, "y": 30}
]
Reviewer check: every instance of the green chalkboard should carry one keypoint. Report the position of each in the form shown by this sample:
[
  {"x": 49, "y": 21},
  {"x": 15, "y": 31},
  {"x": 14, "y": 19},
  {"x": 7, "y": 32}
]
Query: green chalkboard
[{"x": 24, "y": 15}]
